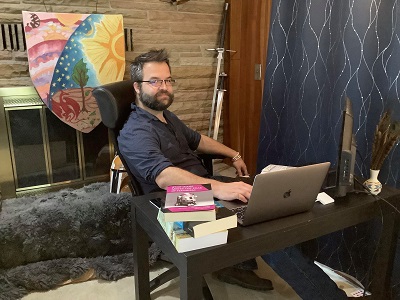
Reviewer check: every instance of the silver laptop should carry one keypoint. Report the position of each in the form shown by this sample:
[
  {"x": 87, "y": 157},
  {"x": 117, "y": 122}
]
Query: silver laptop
[{"x": 280, "y": 194}]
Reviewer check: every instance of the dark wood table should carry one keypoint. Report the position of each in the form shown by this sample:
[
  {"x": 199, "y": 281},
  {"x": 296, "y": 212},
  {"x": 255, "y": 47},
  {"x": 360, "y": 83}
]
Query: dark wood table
[{"x": 252, "y": 241}]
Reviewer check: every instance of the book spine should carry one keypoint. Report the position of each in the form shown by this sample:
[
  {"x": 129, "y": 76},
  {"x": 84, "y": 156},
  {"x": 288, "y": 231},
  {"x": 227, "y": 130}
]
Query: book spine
[{"x": 191, "y": 208}]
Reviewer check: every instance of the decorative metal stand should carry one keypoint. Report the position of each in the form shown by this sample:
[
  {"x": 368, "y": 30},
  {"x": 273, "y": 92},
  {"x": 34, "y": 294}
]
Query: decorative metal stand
[{"x": 218, "y": 94}]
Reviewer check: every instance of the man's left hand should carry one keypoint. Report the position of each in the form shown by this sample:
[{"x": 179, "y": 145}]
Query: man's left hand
[{"x": 240, "y": 166}]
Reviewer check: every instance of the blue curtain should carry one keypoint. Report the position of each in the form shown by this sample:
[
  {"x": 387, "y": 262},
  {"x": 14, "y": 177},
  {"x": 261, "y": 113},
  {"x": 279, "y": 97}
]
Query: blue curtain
[{"x": 319, "y": 52}]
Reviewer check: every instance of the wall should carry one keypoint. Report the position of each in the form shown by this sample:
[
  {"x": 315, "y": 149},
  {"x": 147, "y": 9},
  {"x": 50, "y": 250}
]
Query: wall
[
  {"x": 248, "y": 36},
  {"x": 185, "y": 30}
]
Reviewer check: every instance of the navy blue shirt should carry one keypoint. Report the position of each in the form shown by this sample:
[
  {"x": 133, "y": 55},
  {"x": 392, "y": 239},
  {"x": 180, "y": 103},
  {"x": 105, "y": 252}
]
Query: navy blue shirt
[{"x": 149, "y": 146}]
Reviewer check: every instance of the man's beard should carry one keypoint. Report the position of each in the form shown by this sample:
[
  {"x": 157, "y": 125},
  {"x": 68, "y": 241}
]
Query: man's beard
[{"x": 153, "y": 103}]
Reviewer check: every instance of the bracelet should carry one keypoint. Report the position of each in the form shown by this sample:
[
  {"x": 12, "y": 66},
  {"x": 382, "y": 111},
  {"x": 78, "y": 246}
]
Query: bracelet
[{"x": 236, "y": 157}]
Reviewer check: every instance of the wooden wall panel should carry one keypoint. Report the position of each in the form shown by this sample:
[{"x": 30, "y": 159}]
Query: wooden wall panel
[{"x": 248, "y": 27}]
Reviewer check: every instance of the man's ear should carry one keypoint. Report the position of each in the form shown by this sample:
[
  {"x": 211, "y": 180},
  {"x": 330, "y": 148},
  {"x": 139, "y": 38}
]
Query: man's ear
[{"x": 136, "y": 87}]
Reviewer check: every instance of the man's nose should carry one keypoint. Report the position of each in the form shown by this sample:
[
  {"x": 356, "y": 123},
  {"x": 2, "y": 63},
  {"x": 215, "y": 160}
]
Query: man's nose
[{"x": 163, "y": 85}]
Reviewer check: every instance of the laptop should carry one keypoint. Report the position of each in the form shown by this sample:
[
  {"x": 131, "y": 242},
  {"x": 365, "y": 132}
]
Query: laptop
[{"x": 280, "y": 194}]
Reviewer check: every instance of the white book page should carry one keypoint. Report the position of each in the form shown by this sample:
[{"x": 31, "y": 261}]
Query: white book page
[{"x": 273, "y": 168}]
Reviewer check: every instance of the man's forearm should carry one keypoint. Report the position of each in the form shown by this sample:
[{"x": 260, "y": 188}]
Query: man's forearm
[
  {"x": 224, "y": 191},
  {"x": 176, "y": 176},
  {"x": 211, "y": 146}
]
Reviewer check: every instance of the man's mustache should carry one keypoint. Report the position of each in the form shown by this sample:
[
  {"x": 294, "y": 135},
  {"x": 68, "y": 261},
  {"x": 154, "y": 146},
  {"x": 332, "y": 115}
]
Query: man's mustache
[{"x": 161, "y": 93}]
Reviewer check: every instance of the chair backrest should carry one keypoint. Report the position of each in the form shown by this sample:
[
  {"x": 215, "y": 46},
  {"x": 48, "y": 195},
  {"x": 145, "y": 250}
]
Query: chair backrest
[{"x": 114, "y": 101}]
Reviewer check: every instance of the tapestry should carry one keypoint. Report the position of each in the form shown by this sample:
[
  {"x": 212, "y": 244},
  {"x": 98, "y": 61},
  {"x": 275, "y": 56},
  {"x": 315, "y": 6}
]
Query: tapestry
[{"x": 69, "y": 55}]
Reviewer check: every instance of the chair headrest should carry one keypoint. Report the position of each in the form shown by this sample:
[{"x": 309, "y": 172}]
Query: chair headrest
[{"x": 114, "y": 101}]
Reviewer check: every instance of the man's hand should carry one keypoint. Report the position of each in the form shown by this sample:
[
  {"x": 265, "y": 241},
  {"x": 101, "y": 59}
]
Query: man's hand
[
  {"x": 240, "y": 166},
  {"x": 232, "y": 190},
  {"x": 221, "y": 190}
]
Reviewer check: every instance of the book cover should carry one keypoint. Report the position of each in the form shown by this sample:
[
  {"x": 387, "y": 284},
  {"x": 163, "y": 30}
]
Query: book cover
[
  {"x": 192, "y": 197},
  {"x": 225, "y": 219},
  {"x": 183, "y": 241}
]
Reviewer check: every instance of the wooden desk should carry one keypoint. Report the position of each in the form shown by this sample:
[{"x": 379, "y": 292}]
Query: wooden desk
[{"x": 252, "y": 241}]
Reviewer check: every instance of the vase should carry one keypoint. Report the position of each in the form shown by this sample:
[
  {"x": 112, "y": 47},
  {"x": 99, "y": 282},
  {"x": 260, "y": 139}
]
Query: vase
[{"x": 373, "y": 185}]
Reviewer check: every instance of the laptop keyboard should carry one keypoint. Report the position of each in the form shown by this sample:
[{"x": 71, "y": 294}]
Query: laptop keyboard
[{"x": 239, "y": 212}]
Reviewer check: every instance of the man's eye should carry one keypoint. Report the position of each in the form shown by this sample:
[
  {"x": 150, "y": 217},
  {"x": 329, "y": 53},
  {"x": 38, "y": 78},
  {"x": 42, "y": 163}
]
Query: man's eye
[{"x": 153, "y": 81}]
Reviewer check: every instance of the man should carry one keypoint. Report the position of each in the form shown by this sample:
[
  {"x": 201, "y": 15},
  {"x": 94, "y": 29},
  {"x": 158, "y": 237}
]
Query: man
[{"x": 159, "y": 150}]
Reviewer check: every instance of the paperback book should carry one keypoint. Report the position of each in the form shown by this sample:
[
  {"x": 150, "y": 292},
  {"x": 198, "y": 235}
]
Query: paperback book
[
  {"x": 193, "y": 197},
  {"x": 199, "y": 215},
  {"x": 183, "y": 241},
  {"x": 225, "y": 219},
  {"x": 274, "y": 168}
]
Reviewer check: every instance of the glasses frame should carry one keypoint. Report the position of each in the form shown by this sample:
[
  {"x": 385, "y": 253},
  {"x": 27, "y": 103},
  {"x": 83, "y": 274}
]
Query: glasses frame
[{"x": 157, "y": 83}]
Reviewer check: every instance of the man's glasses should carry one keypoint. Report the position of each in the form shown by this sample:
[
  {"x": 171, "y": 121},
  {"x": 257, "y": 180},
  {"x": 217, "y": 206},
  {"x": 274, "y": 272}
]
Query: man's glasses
[{"x": 158, "y": 82}]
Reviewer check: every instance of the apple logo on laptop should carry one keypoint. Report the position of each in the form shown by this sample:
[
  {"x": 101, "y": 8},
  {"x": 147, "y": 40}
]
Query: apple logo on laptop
[{"x": 287, "y": 194}]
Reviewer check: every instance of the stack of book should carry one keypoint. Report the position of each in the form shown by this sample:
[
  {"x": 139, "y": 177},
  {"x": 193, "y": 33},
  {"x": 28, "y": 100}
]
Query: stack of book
[{"x": 191, "y": 218}]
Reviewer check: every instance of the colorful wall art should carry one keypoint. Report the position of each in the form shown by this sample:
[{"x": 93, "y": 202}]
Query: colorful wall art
[{"x": 69, "y": 55}]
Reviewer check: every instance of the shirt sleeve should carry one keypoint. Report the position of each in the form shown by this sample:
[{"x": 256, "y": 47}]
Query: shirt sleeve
[{"x": 141, "y": 149}]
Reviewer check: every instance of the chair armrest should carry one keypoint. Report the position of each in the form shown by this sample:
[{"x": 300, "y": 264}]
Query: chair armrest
[{"x": 207, "y": 160}]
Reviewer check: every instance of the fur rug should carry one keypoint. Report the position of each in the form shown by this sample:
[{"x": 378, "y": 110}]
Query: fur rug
[{"x": 48, "y": 239}]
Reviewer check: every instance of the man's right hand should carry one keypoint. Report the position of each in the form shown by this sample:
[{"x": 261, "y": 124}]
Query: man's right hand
[
  {"x": 232, "y": 190},
  {"x": 221, "y": 190}
]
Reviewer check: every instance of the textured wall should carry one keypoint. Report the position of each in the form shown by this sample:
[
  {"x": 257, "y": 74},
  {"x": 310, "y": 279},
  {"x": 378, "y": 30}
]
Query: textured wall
[{"x": 185, "y": 30}]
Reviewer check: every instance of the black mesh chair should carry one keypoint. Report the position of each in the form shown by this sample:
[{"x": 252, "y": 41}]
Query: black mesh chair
[{"x": 114, "y": 101}]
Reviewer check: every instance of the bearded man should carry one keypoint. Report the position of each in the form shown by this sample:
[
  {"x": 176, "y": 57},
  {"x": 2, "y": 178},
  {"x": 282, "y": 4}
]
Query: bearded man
[
  {"x": 160, "y": 151},
  {"x": 158, "y": 147}
]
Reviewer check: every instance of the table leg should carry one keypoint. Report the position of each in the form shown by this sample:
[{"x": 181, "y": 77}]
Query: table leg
[
  {"x": 191, "y": 286},
  {"x": 141, "y": 260},
  {"x": 384, "y": 260}
]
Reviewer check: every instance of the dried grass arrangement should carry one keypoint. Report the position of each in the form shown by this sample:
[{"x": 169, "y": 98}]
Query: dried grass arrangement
[{"x": 387, "y": 134}]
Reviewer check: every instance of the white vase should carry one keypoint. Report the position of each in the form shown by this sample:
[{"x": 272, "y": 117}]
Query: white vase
[{"x": 373, "y": 184}]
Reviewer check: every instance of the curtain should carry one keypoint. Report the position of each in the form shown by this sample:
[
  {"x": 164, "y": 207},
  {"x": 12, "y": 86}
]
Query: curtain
[{"x": 319, "y": 52}]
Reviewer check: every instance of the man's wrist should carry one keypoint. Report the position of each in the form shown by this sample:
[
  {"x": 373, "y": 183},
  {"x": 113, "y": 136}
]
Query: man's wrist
[{"x": 236, "y": 157}]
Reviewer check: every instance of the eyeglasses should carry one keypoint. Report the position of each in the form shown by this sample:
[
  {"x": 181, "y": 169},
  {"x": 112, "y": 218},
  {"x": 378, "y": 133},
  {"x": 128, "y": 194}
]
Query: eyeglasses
[{"x": 158, "y": 82}]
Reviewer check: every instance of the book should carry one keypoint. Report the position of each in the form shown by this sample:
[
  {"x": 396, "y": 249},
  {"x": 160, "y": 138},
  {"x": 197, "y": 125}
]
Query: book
[
  {"x": 192, "y": 197},
  {"x": 274, "y": 168},
  {"x": 199, "y": 215},
  {"x": 225, "y": 219},
  {"x": 183, "y": 241},
  {"x": 349, "y": 284}
]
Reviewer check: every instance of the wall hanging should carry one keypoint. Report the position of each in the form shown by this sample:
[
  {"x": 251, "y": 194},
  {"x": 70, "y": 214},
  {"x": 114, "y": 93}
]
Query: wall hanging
[{"x": 69, "y": 55}]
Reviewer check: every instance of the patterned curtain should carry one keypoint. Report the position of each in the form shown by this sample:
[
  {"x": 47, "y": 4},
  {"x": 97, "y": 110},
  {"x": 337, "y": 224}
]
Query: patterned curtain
[{"x": 319, "y": 52}]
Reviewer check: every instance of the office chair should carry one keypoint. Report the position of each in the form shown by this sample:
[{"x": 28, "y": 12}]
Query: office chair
[{"x": 114, "y": 101}]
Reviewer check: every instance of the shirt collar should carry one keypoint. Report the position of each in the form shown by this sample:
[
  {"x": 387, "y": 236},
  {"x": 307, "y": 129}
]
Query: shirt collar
[{"x": 140, "y": 111}]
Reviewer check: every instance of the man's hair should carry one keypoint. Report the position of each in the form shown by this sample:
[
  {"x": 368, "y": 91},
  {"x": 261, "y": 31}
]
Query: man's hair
[{"x": 151, "y": 56}]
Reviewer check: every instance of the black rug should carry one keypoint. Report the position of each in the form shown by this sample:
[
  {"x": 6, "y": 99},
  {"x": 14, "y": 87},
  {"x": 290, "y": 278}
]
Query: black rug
[{"x": 48, "y": 239}]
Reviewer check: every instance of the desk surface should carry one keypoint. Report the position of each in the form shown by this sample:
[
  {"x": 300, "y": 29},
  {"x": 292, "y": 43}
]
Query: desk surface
[{"x": 269, "y": 236}]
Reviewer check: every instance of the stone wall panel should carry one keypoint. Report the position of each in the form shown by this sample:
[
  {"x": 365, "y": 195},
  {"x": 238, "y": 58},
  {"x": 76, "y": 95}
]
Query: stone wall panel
[{"x": 185, "y": 30}]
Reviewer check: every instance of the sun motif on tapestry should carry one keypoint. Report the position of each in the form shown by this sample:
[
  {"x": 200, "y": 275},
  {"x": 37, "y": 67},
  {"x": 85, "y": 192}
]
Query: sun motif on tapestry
[{"x": 69, "y": 55}]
